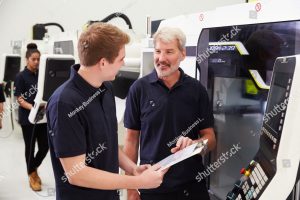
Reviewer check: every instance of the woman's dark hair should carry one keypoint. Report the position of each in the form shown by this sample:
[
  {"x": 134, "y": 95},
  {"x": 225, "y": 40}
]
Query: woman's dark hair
[{"x": 31, "y": 48}]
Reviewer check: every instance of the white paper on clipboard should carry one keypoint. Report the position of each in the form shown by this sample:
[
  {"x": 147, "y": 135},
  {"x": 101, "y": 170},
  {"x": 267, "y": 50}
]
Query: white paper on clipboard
[{"x": 182, "y": 154}]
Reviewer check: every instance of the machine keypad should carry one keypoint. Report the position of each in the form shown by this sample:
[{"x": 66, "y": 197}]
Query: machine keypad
[{"x": 250, "y": 185}]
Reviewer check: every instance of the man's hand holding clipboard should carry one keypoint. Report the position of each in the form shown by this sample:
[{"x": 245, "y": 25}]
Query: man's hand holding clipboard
[{"x": 191, "y": 149}]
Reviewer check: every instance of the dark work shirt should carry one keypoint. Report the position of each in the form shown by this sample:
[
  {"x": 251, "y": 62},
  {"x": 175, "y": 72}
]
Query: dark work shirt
[
  {"x": 26, "y": 86},
  {"x": 163, "y": 115},
  {"x": 82, "y": 120}
]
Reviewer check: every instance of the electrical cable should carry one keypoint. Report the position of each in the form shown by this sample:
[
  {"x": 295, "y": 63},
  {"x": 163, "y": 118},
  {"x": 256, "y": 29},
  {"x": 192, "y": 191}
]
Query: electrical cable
[
  {"x": 55, "y": 24},
  {"x": 38, "y": 117},
  {"x": 112, "y": 16}
]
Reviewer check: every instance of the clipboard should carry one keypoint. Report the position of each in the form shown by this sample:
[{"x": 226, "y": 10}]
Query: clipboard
[{"x": 183, "y": 154}]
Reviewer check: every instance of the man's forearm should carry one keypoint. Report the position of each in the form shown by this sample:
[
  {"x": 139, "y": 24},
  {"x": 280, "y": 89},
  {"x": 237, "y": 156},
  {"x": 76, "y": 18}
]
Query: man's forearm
[
  {"x": 210, "y": 135},
  {"x": 132, "y": 153},
  {"x": 131, "y": 144},
  {"x": 98, "y": 179},
  {"x": 126, "y": 163}
]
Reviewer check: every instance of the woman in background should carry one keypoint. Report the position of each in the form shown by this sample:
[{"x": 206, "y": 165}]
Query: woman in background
[{"x": 25, "y": 91}]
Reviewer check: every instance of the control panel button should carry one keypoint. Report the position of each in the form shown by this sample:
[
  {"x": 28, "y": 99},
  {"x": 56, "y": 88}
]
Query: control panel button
[
  {"x": 243, "y": 170},
  {"x": 247, "y": 173}
]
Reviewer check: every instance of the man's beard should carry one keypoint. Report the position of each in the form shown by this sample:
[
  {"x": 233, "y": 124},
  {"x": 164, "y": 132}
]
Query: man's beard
[{"x": 162, "y": 73}]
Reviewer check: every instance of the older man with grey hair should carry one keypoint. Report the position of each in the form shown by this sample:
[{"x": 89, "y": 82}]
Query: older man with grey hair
[{"x": 167, "y": 111}]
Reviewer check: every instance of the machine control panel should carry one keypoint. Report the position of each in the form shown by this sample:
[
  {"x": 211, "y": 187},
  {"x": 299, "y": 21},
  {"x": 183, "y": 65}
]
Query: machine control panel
[
  {"x": 263, "y": 176},
  {"x": 250, "y": 184}
]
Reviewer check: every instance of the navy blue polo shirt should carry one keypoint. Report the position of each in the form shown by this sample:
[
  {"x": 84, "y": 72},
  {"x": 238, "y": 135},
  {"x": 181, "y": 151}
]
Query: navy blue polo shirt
[
  {"x": 163, "y": 115},
  {"x": 82, "y": 120},
  {"x": 26, "y": 86}
]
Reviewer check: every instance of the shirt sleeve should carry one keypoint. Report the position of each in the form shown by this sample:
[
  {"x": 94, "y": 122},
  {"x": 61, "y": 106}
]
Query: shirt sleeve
[
  {"x": 132, "y": 117},
  {"x": 66, "y": 131},
  {"x": 206, "y": 114},
  {"x": 19, "y": 87}
]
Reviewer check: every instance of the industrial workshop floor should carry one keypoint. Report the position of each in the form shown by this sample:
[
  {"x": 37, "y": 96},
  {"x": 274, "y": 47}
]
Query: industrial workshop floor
[
  {"x": 14, "y": 183},
  {"x": 13, "y": 177}
]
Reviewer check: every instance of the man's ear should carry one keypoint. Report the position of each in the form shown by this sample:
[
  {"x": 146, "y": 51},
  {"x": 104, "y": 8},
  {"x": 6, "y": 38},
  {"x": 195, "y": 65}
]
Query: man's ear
[{"x": 102, "y": 63}]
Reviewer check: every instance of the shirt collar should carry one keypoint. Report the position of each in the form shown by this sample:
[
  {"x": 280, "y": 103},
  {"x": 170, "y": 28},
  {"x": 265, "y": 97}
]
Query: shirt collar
[
  {"x": 88, "y": 89},
  {"x": 30, "y": 72}
]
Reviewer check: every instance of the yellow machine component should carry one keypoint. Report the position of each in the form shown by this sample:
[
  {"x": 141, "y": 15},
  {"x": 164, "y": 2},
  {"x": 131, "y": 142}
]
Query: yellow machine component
[{"x": 250, "y": 87}]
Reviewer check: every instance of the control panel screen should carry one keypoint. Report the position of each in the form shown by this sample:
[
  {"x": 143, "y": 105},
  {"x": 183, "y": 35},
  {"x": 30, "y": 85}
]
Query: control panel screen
[
  {"x": 57, "y": 72},
  {"x": 277, "y": 103},
  {"x": 12, "y": 67}
]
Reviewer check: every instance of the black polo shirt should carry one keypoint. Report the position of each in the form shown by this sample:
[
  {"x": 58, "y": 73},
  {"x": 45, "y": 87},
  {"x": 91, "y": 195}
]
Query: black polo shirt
[
  {"x": 82, "y": 120},
  {"x": 26, "y": 86},
  {"x": 162, "y": 115}
]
